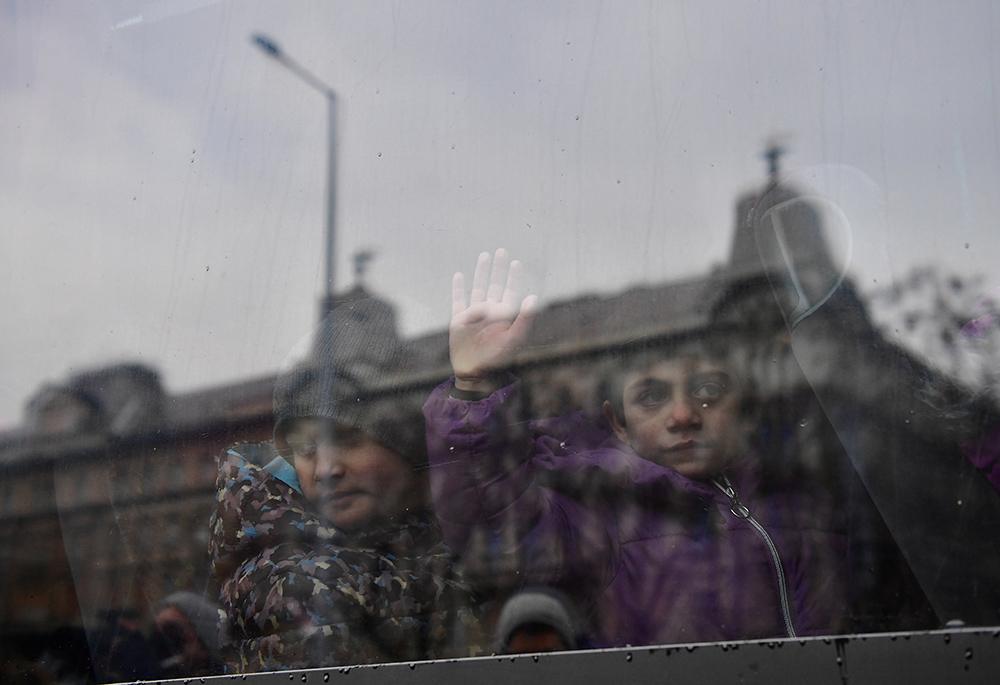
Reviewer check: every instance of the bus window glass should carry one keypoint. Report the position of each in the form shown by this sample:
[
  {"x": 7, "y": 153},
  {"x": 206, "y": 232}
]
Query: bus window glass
[{"x": 720, "y": 363}]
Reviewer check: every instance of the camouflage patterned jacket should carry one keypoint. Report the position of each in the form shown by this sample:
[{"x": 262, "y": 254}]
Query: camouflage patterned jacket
[{"x": 299, "y": 593}]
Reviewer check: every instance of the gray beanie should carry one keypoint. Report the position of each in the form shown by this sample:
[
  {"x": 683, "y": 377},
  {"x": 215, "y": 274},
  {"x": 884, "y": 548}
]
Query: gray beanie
[
  {"x": 352, "y": 378},
  {"x": 538, "y": 605}
]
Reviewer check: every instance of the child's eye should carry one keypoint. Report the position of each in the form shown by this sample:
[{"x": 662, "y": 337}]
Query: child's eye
[
  {"x": 653, "y": 396},
  {"x": 708, "y": 391},
  {"x": 302, "y": 448}
]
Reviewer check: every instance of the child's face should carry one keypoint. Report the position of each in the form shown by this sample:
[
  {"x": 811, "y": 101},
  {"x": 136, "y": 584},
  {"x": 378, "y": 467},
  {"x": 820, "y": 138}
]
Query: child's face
[
  {"x": 354, "y": 480},
  {"x": 682, "y": 413}
]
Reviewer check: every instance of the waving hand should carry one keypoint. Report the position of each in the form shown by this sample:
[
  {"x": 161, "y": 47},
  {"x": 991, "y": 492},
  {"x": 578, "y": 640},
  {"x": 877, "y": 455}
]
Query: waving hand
[{"x": 487, "y": 330}]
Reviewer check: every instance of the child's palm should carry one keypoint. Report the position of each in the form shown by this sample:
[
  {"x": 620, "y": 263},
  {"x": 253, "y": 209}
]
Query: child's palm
[{"x": 486, "y": 333}]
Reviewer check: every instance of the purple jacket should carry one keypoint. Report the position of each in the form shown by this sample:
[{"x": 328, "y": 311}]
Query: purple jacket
[{"x": 652, "y": 557}]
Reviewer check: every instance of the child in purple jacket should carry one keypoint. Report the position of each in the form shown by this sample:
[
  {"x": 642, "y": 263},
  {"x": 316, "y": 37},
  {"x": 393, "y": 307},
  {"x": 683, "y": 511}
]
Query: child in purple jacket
[{"x": 655, "y": 523}]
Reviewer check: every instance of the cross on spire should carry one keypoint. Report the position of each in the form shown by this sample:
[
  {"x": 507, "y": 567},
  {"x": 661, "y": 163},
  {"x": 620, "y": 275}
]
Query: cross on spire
[{"x": 773, "y": 155}]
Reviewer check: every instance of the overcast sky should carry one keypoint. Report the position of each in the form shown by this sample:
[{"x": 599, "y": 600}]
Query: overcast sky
[{"x": 162, "y": 189}]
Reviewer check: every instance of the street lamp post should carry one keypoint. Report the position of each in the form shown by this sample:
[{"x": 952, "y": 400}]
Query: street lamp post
[{"x": 271, "y": 49}]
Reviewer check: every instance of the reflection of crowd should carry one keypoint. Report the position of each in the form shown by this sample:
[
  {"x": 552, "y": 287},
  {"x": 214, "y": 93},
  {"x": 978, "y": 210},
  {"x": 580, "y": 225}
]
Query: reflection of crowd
[{"x": 184, "y": 641}]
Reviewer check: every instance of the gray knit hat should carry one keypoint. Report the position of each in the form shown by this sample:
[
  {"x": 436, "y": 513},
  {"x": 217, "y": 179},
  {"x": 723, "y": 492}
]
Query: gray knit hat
[
  {"x": 352, "y": 377},
  {"x": 537, "y": 606}
]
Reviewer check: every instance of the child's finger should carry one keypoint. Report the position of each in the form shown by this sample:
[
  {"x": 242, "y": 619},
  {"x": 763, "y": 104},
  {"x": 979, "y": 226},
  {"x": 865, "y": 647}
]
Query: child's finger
[
  {"x": 481, "y": 278},
  {"x": 513, "y": 284},
  {"x": 498, "y": 277},
  {"x": 528, "y": 306},
  {"x": 522, "y": 324},
  {"x": 458, "y": 294}
]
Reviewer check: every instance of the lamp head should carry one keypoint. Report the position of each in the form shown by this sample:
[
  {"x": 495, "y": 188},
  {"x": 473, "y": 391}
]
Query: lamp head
[{"x": 266, "y": 44}]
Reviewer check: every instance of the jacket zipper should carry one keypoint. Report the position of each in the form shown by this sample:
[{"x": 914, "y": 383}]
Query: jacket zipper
[{"x": 740, "y": 510}]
